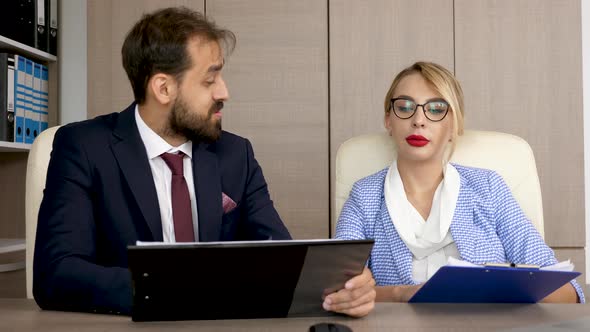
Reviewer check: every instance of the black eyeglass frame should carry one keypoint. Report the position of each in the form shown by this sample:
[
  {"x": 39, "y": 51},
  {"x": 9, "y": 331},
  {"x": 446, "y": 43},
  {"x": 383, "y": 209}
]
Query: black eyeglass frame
[{"x": 392, "y": 109}]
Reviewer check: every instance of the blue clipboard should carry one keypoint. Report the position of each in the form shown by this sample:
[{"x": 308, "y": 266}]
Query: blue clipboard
[{"x": 458, "y": 284}]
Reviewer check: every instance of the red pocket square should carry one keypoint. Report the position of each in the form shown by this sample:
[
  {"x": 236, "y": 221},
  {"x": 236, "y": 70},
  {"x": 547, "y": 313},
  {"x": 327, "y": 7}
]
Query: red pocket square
[{"x": 227, "y": 203}]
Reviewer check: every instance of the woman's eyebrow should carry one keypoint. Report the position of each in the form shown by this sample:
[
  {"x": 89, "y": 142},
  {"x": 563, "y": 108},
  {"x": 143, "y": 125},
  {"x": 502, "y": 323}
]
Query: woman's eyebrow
[
  {"x": 435, "y": 99},
  {"x": 405, "y": 97}
]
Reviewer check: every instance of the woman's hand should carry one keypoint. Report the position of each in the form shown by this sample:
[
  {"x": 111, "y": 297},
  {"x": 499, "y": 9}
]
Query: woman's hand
[
  {"x": 399, "y": 293},
  {"x": 565, "y": 294},
  {"x": 356, "y": 299}
]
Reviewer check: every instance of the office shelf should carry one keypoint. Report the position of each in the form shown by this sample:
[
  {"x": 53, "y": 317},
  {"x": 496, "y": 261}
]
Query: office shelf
[
  {"x": 8, "y": 44},
  {"x": 14, "y": 147},
  {"x": 11, "y": 245}
]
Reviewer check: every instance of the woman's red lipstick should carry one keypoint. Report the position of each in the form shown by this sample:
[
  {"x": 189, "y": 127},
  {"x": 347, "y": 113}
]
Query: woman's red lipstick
[{"x": 417, "y": 140}]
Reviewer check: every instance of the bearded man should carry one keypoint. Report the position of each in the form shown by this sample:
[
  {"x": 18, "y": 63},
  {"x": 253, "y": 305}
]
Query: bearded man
[{"x": 161, "y": 170}]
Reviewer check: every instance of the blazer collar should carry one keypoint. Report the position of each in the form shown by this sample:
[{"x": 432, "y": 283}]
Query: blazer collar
[
  {"x": 133, "y": 161},
  {"x": 134, "y": 164},
  {"x": 464, "y": 233},
  {"x": 207, "y": 178}
]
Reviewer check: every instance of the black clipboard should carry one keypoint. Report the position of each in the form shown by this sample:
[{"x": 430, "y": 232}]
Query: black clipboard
[
  {"x": 238, "y": 280},
  {"x": 491, "y": 284}
]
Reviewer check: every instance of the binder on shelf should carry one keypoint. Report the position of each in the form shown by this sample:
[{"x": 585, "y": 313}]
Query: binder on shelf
[
  {"x": 20, "y": 98},
  {"x": 41, "y": 38},
  {"x": 52, "y": 35},
  {"x": 37, "y": 101},
  {"x": 491, "y": 284},
  {"x": 18, "y": 21},
  {"x": 29, "y": 110},
  {"x": 44, "y": 116},
  {"x": 7, "y": 97}
]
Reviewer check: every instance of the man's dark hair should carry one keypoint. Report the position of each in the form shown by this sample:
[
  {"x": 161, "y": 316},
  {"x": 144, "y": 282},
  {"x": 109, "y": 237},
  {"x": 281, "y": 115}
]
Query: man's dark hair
[{"x": 158, "y": 44}]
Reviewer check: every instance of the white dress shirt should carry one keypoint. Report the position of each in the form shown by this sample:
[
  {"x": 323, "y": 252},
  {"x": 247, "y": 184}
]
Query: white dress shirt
[
  {"x": 430, "y": 240},
  {"x": 155, "y": 146}
]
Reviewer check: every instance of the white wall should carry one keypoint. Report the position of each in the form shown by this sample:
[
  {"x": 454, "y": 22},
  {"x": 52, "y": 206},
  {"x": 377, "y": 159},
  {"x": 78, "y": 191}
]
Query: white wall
[
  {"x": 586, "y": 103},
  {"x": 72, "y": 61}
]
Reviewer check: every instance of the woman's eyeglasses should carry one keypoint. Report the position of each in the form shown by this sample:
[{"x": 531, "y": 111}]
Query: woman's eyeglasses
[{"x": 405, "y": 108}]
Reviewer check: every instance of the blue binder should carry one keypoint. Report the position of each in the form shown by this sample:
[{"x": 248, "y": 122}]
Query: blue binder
[
  {"x": 38, "y": 106},
  {"x": 20, "y": 93},
  {"x": 30, "y": 114},
  {"x": 454, "y": 284},
  {"x": 43, "y": 124}
]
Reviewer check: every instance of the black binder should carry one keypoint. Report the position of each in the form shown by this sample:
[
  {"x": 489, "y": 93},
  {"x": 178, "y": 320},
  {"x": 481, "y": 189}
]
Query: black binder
[
  {"x": 237, "y": 280},
  {"x": 18, "y": 21},
  {"x": 7, "y": 95},
  {"x": 52, "y": 27},
  {"x": 41, "y": 25}
]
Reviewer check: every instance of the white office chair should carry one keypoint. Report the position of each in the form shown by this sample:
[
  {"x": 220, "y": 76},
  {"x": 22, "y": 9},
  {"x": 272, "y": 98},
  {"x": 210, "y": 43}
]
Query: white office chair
[
  {"x": 36, "y": 175},
  {"x": 509, "y": 155}
]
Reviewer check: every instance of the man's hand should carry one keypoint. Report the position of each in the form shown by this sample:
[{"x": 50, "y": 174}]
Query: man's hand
[{"x": 356, "y": 299}]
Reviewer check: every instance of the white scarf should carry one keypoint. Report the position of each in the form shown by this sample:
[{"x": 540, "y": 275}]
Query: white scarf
[{"x": 423, "y": 238}]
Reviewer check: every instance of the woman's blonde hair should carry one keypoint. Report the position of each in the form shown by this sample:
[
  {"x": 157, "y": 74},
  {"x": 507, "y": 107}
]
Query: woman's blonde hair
[{"x": 445, "y": 83}]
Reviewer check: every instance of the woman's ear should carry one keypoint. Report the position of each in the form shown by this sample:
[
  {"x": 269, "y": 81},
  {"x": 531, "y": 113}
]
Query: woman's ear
[
  {"x": 387, "y": 123},
  {"x": 163, "y": 87}
]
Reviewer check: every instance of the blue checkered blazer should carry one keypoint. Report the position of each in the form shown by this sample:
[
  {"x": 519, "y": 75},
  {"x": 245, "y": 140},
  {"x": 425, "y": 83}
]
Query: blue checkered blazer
[{"x": 488, "y": 226}]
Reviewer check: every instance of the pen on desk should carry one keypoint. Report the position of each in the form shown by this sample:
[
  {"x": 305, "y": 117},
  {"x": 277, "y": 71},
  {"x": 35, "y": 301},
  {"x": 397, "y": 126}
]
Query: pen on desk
[{"x": 523, "y": 266}]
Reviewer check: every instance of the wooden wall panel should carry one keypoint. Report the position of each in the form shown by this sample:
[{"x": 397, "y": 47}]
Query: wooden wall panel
[
  {"x": 278, "y": 85},
  {"x": 13, "y": 167},
  {"x": 370, "y": 42},
  {"x": 520, "y": 65},
  {"x": 12, "y": 283},
  {"x": 109, "y": 21},
  {"x": 509, "y": 55}
]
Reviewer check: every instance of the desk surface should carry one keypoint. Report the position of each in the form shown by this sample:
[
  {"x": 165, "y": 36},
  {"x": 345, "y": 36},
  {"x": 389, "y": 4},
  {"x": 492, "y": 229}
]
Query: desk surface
[{"x": 24, "y": 315}]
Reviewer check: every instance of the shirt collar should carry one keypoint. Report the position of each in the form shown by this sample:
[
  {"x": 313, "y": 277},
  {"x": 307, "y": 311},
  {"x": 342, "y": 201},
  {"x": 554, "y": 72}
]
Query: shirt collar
[
  {"x": 156, "y": 145},
  {"x": 422, "y": 238}
]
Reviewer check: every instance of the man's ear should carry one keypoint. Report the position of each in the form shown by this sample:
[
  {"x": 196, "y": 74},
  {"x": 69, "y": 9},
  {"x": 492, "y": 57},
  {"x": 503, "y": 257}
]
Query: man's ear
[{"x": 163, "y": 88}]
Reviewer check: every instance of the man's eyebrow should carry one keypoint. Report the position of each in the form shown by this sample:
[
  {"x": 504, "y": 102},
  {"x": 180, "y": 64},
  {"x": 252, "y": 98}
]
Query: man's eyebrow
[{"x": 215, "y": 68}]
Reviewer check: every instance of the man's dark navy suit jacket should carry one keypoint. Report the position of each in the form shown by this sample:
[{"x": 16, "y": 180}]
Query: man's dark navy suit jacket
[{"x": 100, "y": 197}]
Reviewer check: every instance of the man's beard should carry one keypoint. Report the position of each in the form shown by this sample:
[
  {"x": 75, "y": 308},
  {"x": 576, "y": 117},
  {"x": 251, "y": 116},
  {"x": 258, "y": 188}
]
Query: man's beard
[{"x": 194, "y": 126}]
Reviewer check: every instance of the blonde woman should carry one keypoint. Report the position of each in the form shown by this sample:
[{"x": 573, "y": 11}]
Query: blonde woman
[{"x": 422, "y": 210}]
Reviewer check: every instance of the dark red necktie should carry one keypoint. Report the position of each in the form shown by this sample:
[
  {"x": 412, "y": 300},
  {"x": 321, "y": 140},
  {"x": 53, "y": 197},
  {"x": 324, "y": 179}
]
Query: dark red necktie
[{"x": 181, "y": 200}]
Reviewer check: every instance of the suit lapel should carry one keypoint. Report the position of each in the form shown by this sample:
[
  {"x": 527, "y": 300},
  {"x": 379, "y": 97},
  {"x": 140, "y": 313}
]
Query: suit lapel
[
  {"x": 207, "y": 180},
  {"x": 129, "y": 151}
]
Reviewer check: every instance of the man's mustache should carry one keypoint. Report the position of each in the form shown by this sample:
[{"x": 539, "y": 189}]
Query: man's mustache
[{"x": 216, "y": 107}]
